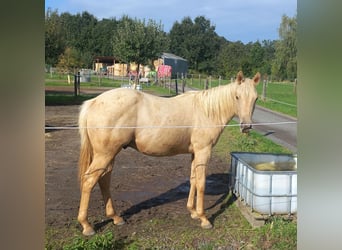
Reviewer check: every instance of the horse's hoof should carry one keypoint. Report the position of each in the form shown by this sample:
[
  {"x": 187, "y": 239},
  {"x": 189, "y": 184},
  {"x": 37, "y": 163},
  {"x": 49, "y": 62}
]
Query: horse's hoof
[
  {"x": 88, "y": 232},
  {"x": 119, "y": 221},
  {"x": 206, "y": 225},
  {"x": 194, "y": 216}
]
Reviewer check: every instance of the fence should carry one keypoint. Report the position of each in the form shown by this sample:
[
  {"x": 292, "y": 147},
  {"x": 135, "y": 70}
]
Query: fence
[{"x": 281, "y": 93}]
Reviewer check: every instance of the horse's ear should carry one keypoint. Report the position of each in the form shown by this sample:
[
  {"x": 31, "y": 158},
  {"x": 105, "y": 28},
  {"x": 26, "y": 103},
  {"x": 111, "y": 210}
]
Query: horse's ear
[
  {"x": 239, "y": 77},
  {"x": 256, "y": 78}
]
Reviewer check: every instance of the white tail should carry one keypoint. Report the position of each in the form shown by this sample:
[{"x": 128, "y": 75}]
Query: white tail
[{"x": 86, "y": 151}]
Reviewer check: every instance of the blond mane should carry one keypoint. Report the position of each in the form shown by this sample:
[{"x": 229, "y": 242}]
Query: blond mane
[{"x": 217, "y": 103}]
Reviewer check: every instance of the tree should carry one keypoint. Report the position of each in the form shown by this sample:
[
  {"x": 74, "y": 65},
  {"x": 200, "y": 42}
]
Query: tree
[
  {"x": 285, "y": 63},
  {"x": 196, "y": 41},
  {"x": 256, "y": 55},
  {"x": 208, "y": 42},
  {"x": 103, "y": 34},
  {"x": 137, "y": 41},
  {"x": 54, "y": 41},
  {"x": 132, "y": 40},
  {"x": 269, "y": 50},
  {"x": 69, "y": 61},
  {"x": 232, "y": 57}
]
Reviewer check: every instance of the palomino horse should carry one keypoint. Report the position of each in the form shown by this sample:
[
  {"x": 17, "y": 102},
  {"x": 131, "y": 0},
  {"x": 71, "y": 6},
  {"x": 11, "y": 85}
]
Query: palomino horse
[{"x": 188, "y": 123}]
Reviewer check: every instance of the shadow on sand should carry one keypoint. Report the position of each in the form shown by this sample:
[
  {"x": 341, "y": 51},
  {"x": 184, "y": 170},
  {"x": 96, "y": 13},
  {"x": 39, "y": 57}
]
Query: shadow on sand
[{"x": 216, "y": 184}]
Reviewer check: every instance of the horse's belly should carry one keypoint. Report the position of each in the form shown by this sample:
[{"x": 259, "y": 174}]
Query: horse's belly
[{"x": 163, "y": 144}]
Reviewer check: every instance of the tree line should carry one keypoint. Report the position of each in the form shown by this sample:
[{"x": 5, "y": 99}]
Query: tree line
[{"x": 74, "y": 40}]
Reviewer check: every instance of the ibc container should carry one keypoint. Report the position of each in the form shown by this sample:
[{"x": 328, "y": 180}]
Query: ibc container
[{"x": 265, "y": 182}]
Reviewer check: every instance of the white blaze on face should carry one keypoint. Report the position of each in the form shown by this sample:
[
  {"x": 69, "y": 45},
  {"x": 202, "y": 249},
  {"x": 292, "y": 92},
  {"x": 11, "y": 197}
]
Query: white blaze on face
[{"x": 246, "y": 96}]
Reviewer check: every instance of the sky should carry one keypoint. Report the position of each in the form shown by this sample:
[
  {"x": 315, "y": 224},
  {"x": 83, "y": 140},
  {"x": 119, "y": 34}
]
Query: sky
[{"x": 236, "y": 20}]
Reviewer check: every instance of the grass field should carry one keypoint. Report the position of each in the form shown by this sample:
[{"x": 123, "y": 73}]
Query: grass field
[{"x": 280, "y": 97}]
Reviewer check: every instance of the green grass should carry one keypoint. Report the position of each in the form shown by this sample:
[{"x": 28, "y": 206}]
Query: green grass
[
  {"x": 95, "y": 81},
  {"x": 200, "y": 83},
  {"x": 280, "y": 97},
  {"x": 233, "y": 140},
  {"x": 63, "y": 99},
  {"x": 231, "y": 231},
  {"x": 71, "y": 99}
]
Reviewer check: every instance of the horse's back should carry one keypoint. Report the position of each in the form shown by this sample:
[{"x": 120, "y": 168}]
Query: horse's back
[{"x": 113, "y": 102}]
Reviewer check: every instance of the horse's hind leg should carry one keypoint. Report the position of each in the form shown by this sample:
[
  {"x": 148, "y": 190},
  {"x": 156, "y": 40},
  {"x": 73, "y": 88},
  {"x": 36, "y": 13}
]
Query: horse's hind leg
[
  {"x": 191, "y": 199},
  {"x": 104, "y": 183},
  {"x": 97, "y": 168}
]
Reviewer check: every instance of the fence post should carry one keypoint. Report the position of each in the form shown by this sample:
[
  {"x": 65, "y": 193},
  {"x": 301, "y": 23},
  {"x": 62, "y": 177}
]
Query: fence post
[
  {"x": 100, "y": 77},
  {"x": 176, "y": 82},
  {"x": 295, "y": 86},
  {"x": 77, "y": 83},
  {"x": 264, "y": 90}
]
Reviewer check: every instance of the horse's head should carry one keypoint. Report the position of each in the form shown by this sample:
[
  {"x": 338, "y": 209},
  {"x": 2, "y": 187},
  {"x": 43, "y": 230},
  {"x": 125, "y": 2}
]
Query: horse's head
[{"x": 245, "y": 98}]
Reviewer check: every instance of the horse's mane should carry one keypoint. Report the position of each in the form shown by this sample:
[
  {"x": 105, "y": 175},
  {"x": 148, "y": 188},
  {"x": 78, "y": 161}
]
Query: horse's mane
[{"x": 217, "y": 102}]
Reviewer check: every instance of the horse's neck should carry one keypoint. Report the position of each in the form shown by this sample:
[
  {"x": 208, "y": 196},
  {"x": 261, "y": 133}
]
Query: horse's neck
[{"x": 225, "y": 109}]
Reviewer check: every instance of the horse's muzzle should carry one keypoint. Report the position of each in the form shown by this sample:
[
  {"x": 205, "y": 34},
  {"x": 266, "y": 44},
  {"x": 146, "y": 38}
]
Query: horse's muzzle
[{"x": 245, "y": 127}]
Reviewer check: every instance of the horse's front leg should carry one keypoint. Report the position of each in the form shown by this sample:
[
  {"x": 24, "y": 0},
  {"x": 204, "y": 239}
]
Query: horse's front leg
[
  {"x": 198, "y": 171},
  {"x": 200, "y": 187}
]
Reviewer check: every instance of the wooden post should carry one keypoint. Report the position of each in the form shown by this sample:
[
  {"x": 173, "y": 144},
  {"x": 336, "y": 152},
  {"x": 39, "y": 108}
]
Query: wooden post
[
  {"x": 100, "y": 78},
  {"x": 77, "y": 83},
  {"x": 264, "y": 90},
  {"x": 176, "y": 82},
  {"x": 169, "y": 84}
]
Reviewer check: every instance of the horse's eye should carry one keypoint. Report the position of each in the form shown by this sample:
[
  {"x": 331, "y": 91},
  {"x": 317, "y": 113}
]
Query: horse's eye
[{"x": 237, "y": 98}]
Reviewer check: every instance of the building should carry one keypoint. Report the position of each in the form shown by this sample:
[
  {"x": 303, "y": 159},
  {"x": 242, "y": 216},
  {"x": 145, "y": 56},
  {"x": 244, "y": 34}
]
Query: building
[
  {"x": 178, "y": 64},
  {"x": 112, "y": 66},
  {"x": 102, "y": 62}
]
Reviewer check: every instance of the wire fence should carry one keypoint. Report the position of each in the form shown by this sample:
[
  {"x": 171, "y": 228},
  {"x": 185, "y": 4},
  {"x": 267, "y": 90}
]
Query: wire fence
[
  {"x": 166, "y": 126},
  {"x": 179, "y": 84}
]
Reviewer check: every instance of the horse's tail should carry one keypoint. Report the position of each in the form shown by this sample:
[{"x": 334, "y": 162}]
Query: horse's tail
[{"x": 86, "y": 150}]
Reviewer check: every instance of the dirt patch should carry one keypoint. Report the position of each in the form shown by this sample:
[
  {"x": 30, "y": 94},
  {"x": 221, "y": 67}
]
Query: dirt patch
[{"x": 143, "y": 187}]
